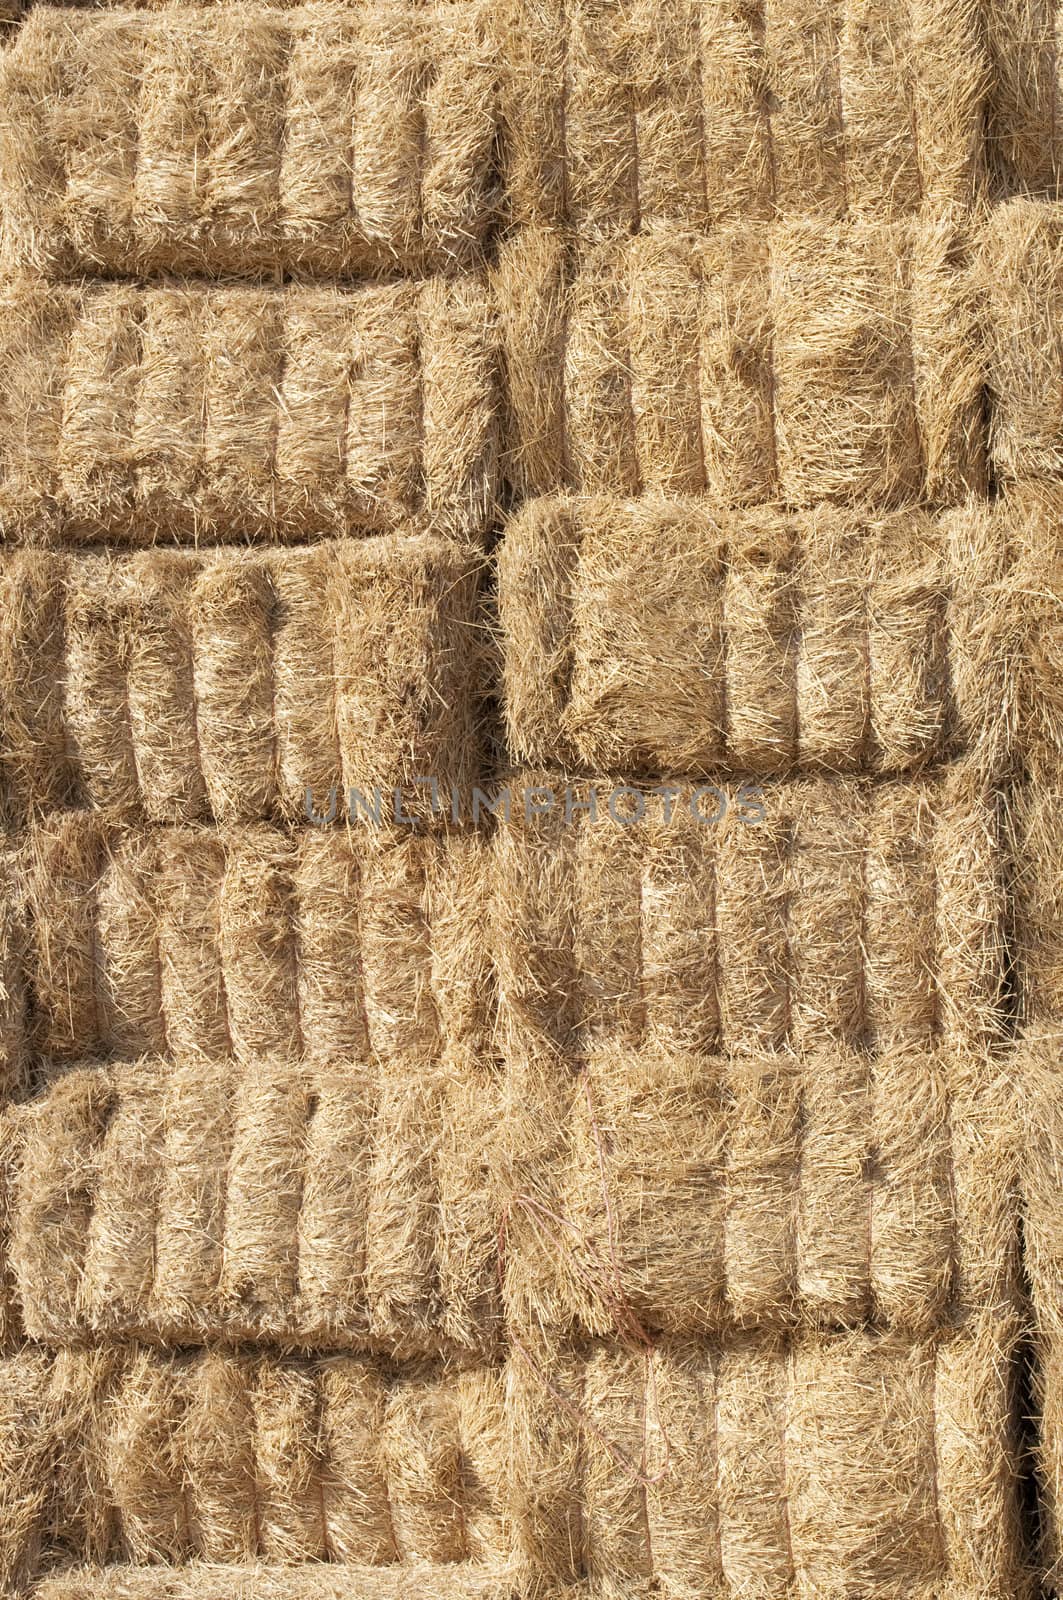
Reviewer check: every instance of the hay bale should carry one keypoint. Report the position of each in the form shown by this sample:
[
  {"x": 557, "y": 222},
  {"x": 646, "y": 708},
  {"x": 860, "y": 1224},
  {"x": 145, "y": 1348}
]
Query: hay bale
[
  {"x": 228, "y": 685},
  {"x": 667, "y": 636},
  {"x": 420, "y": 1445},
  {"x": 208, "y": 140},
  {"x": 703, "y": 1197},
  {"x": 1035, "y": 852},
  {"x": 357, "y": 1513},
  {"x": 82, "y": 1514},
  {"x": 129, "y": 974},
  {"x": 142, "y": 1451},
  {"x": 765, "y": 905},
  {"x": 61, "y": 861},
  {"x": 256, "y": 414},
  {"x": 11, "y": 1331},
  {"x": 309, "y": 1207},
  {"x": 618, "y": 118},
  {"x": 1031, "y": 604},
  {"x": 25, "y": 1472},
  {"x": 803, "y": 362},
  {"x": 831, "y": 1460},
  {"x": 191, "y": 865},
  {"x": 258, "y": 1582},
  {"x": 1021, "y": 264},
  {"x": 14, "y": 1037}
]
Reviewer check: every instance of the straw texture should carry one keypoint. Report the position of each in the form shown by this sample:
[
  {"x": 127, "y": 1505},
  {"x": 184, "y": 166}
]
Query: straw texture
[
  {"x": 188, "y": 413},
  {"x": 325, "y": 945},
  {"x": 812, "y": 913},
  {"x": 662, "y": 635},
  {"x": 304, "y": 1207},
  {"x": 184, "y": 686},
  {"x": 244, "y": 1458},
  {"x": 207, "y": 1582},
  {"x": 624, "y": 116},
  {"x": 799, "y": 361},
  {"x": 854, "y": 1464},
  {"x": 246, "y": 139},
  {"x": 699, "y": 1195}
]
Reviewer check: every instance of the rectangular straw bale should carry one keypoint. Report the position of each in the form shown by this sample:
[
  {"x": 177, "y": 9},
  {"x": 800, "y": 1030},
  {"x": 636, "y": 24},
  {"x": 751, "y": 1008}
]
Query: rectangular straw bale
[
  {"x": 358, "y": 1525},
  {"x": 617, "y": 119},
  {"x": 14, "y": 1019},
  {"x": 25, "y": 1466},
  {"x": 218, "y": 1450},
  {"x": 693, "y": 1195},
  {"x": 328, "y": 945},
  {"x": 1022, "y": 278},
  {"x": 1035, "y": 840},
  {"x": 98, "y": 636},
  {"x": 261, "y": 414},
  {"x": 212, "y": 141},
  {"x": 12, "y": 1124},
  {"x": 1030, "y": 606},
  {"x": 801, "y": 361},
  {"x": 290, "y": 1206},
  {"x": 314, "y": 1582},
  {"x": 861, "y": 1461},
  {"x": 81, "y": 1387},
  {"x": 808, "y": 913}
]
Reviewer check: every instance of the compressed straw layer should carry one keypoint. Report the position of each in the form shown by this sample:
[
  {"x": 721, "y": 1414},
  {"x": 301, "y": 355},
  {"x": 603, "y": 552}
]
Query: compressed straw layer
[
  {"x": 620, "y": 117},
  {"x": 189, "y": 412},
  {"x": 247, "y": 139},
  {"x": 671, "y": 636},
  {"x": 325, "y": 945},
  {"x": 698, "y": 1195},
  {"x": 239, "y": 1458},
  {"x": 798, "y": 361},
  {"x": 172, "y": 687},
  {"x": 812, "y": 913},
  {"x": 308, "y": 1207}
]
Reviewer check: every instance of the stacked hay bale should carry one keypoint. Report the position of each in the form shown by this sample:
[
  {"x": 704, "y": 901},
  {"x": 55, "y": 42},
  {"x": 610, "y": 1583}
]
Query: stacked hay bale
[
  {"x": 251, "y": 1320},
  {"x": 760, "y": 628},
  {"x": 537, "y": 1114}
]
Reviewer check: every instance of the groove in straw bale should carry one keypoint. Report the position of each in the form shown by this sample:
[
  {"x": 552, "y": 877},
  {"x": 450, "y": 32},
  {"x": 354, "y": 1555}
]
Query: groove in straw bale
[
  {"x": 669, "y": 636},
  {"x": 798, "y": 361},
  {"x": 690, "y": 1194},
  {"x": 227, "y": 685},
  {"x": 331, "y": 140},
  {"x": 248, "y": 413},
  {"x": 297, "y": 1206},
  {"x": 619, "y": 117},
  {"x": 254, "y": 942},
  {"x": 807, "y": 913},
  {"x": 875, "y": 1460}
]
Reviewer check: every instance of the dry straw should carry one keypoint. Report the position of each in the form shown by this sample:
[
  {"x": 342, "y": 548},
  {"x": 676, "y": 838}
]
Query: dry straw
[
  {"x": 207, "y": 1582},
  {"x": 194, "y": 413},
  {"x": 249, "y": 139},
  {"x": 667, "y": 636},
  {"x": 852, "y": 1464},
  {"x": 626, "y": 116},
  {"x": 803, "y": 361},
  {"x": 183, "y": 686},
  {"x": 1021, "y": 112},
  {"x": 1022, "y": 268},
  {"x": 325, "y": 944},
  {"x": 330, "y": 1207},
  {"x": 1039, "y": 1077},
  {"x": 241, "y": 1458},
  {"x": 695, "y": 1195},
  {"x": 851, "y": 913}
]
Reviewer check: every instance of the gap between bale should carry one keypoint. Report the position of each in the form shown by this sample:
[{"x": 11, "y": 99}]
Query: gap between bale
[
  {"x": 798, "y": 361},
  {"x": 195, "y": 413},
  {"x": 302, "y": 1207},
  {"x": 669, "y": 636},
  {"x": 228, "y": 684},
  {"x": 217, "y": 140}
]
